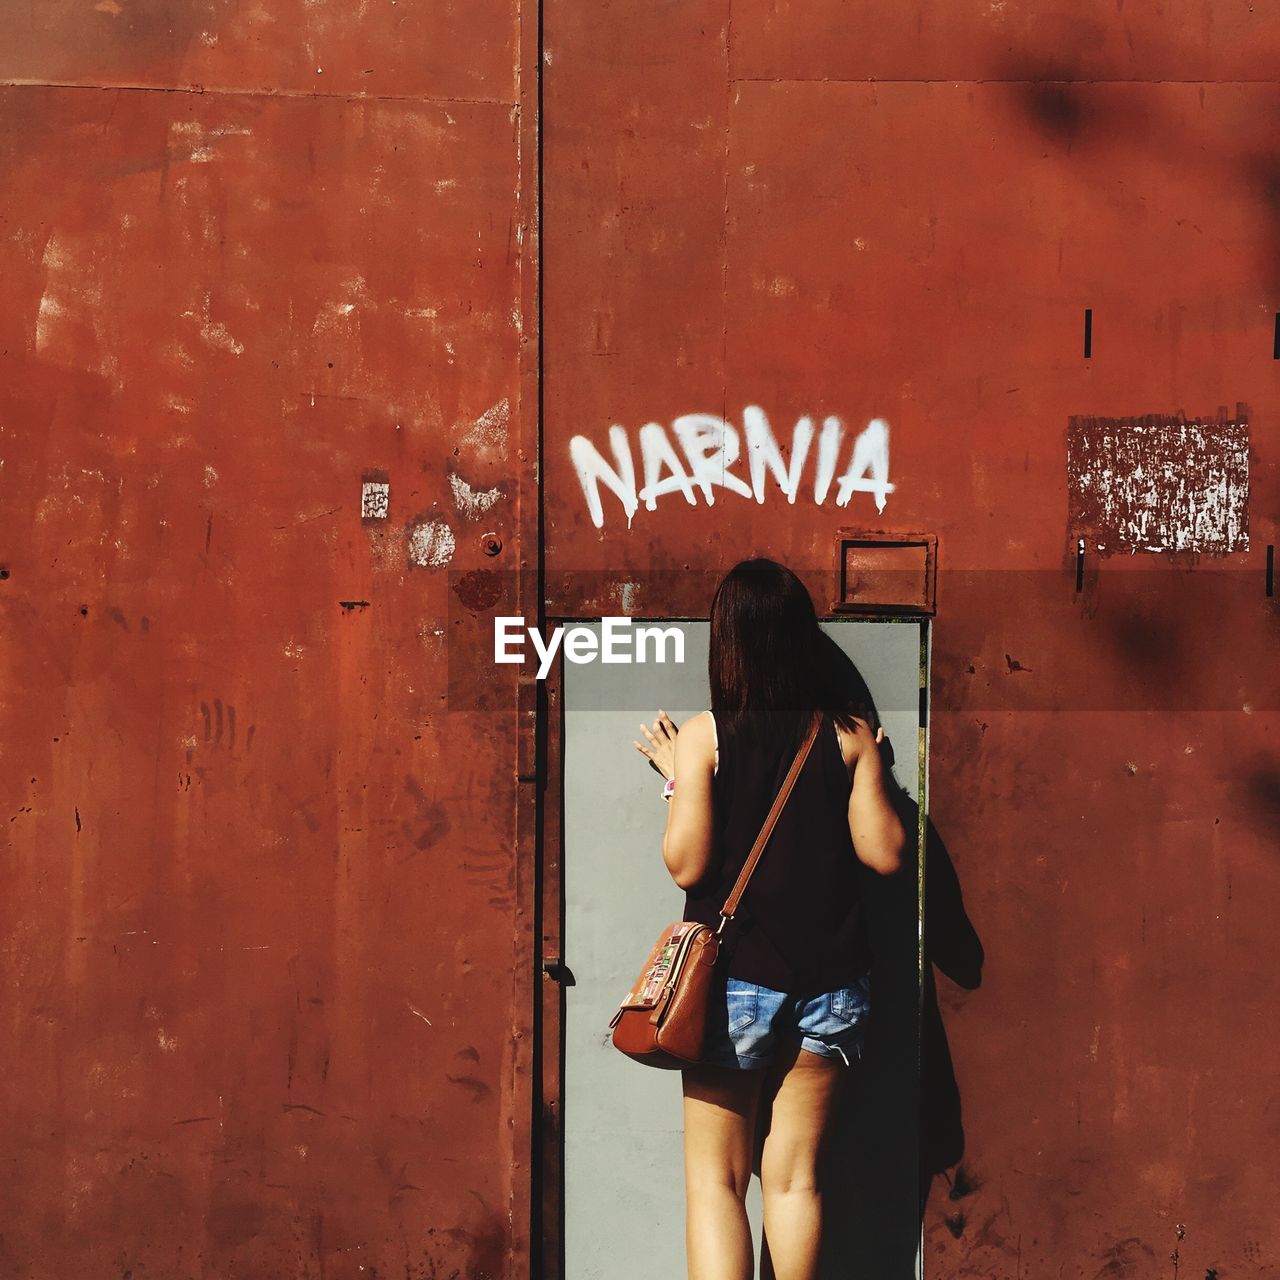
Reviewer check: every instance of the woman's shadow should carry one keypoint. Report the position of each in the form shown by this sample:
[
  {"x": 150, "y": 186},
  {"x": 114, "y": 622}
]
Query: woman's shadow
[{"x": 898, "y": 1124}]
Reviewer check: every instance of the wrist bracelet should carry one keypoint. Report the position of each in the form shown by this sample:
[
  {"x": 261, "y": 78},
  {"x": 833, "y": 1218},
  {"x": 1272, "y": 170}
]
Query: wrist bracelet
[{"x": 668, "y": 788}]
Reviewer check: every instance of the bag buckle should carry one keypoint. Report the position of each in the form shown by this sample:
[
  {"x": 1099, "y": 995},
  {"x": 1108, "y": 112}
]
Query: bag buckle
[{"x": 724, "y": 919}]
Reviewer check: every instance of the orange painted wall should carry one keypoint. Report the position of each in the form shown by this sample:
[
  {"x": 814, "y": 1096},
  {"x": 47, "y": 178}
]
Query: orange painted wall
[
  {"x": 260, "y": 923},
  {"x": 904, "y": 211}
]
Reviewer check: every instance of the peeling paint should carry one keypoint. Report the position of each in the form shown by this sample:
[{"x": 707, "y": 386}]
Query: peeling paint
[
  {"x": 490, "y": 429},
  {"x": 1160, "y": 483},
  {"x": 472, "y": 503},
  {"x": 431, "y": 544}
]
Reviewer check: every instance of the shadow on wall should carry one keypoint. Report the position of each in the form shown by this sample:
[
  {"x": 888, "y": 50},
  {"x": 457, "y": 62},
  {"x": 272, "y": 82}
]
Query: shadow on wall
[
  {"x": 1056, "y": 94},
  {"x": 899, "y": 1125},
  {"x": 953, "y": 948}
]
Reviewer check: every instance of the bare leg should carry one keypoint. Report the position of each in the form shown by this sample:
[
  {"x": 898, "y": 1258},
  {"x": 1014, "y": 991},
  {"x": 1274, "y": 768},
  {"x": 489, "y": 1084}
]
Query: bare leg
[
  {"x": 804, "y": 1087},
  {"x": 719, "y": 1128}
]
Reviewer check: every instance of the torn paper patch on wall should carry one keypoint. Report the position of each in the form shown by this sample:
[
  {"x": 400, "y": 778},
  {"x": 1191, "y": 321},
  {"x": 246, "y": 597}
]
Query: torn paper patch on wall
[
  {"x": 375, "y": 497},
  {"x": 1160, "y": 483}
]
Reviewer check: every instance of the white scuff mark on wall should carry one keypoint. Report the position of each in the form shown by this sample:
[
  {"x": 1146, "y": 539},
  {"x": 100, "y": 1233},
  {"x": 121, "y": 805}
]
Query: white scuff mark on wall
[
  {"x": 333, "y": 314},
  {"x": 71, "y": 308},
  {"x": 472, "y": 503},
  {"x": 431, "y": 544},
  {"x": 627, "y": 595},
  {"x": 50, "y": 309},
  {"x": 489, "y": 431},
  {"x": 214, "y": 332},
  {"x": 54, "y": 257},
  {"x": 199, "y": 140},
  {"x": 417, "y": 1013},
  {"x": 166, "y": 1042},
  {"x": 180, "y": 354},
  {"x": 710, "y": 447},
  {"x": 329, "y": 316},
  {"x": 375, "y": 500},
  {"x": 210, "y": 476}
]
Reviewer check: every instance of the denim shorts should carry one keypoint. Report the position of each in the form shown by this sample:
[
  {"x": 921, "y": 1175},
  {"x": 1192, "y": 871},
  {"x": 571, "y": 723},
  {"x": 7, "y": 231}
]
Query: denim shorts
[{"x": 745, "y": 1021}]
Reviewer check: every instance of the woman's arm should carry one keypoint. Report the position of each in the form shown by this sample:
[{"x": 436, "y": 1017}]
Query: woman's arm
[
  {"x": 689, "y": 757},
  {"x": 878, "y": 836}
]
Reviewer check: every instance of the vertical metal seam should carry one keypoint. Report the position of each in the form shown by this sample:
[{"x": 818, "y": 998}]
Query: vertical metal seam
[
  {"x": 724, "y": 217},
  {"x": 524, "y": 1235},
  {"x": 536, "y": 1123}
]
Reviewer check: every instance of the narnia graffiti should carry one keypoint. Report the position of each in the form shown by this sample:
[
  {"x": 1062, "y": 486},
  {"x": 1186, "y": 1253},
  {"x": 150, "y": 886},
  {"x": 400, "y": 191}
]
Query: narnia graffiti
[{"x": 707, "y": 454}]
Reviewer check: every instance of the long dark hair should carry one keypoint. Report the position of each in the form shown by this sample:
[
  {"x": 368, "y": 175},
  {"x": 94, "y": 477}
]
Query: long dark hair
[{"x": 770, "y": 665}]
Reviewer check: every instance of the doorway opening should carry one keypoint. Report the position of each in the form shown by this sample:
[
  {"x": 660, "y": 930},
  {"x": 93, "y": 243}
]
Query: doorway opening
[{"x": 611, "y": 1187}]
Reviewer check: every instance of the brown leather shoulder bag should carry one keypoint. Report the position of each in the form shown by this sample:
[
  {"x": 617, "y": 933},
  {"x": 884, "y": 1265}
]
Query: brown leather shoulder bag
[{"x": 662, "y": 1020}]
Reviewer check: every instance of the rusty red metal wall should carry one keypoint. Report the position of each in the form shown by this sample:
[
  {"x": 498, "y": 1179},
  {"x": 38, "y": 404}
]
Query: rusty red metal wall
[
  {"x": 266, "y": 936},
  {"x": 903, "y": 211},
  {"x": 261, "y": 920}
]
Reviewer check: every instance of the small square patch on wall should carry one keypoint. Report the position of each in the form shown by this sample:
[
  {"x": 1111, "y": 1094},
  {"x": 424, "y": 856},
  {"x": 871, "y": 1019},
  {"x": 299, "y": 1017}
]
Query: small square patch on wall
[
  {"x": 1158, "y": 482},
  {"x": 375, "y": 500}
]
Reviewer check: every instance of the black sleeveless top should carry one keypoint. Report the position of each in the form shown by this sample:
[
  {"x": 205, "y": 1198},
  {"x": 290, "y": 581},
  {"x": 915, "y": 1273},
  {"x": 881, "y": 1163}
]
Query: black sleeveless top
[{"x": 800, "y": 926}]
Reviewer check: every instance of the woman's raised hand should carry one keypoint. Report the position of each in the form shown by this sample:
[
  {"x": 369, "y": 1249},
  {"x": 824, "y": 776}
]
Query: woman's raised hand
[
  {"x": 863, "y": 737},
  {"x": 661, "y": 748}
]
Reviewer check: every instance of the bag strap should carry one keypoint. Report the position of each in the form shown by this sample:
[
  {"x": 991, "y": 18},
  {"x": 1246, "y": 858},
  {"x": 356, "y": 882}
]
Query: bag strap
[{"x": 757, "y": 849}]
